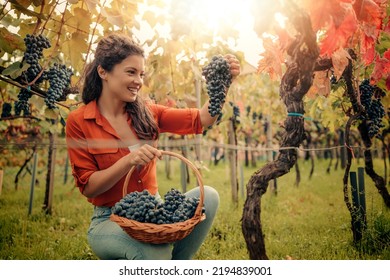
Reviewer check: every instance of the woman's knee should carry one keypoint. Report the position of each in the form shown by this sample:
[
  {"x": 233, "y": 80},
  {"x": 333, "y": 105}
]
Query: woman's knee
[{"x": 211, "y": 195}]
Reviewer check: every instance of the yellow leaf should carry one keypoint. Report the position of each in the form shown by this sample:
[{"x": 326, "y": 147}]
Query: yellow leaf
[
  {"x": 9, "y": 41},
  {"x": 321, "y": 85},
  {"x": 152, "y": 19},
  {"x": 91, "y": 4},
  {"x": 75, "y": 48},
  {"x": 80, "y": 19}
]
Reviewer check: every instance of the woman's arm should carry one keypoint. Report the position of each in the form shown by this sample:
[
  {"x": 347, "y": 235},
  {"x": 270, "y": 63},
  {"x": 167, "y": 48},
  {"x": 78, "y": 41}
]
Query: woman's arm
[
  {"x": 205, "y": 117},
  {"x": 103, "y": 180}
]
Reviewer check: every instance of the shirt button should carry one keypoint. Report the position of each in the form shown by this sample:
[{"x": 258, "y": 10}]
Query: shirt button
[{"x": 139, "y": 181}]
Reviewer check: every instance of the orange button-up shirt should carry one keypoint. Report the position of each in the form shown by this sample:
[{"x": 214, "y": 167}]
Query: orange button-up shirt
[{"x": 94, "y": 145}]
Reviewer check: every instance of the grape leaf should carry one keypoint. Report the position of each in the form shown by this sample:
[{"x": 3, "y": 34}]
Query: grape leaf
[
  {"x": 26, "y": 11},
  {"x": 272, "y": 60},
  {"x": 321, "y": 85},
  {"x": 337, "y": 36},
  {"x": 381, "y": 67},
  {"x": 340, "y": 59},
  {"x": 75, "y": 47},
  {"x": 368, "y": 11},
  {"x": 91, "y": 4},
  {"x": 10, "y": 42},
  {"x": 367, "y": 49},
  {"x": 15, "y": 69},
  {"x": 324, "y": 13}
]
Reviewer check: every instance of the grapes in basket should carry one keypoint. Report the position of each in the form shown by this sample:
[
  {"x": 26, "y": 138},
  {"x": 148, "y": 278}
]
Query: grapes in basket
[{"x": 146, "y": 208}]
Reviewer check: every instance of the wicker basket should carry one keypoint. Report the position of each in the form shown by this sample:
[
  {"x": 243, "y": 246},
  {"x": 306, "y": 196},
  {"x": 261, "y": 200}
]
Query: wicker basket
[{"x": 162, "y": 233}]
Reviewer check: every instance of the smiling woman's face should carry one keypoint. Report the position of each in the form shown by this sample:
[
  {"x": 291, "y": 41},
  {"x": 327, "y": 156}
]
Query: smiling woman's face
[{"x": 125, "y": 80}]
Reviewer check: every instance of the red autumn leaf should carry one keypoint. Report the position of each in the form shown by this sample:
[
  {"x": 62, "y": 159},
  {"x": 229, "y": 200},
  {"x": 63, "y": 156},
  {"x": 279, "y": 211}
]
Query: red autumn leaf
[
  {"x": 337, "y": 37},
  {"x": 272, "y": 60},
  {"x": 367, "y": 50},
  {"x": 387, "y": 55},
  {"x": 325, "y": 12},
  {"x": 368, "y": 11},
  {"x": 284, "y": 37},
  {"x": 382, "y": 67}
]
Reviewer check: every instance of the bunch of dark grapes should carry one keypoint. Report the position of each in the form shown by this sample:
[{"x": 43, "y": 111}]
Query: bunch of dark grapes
[
  {"x": 146, "y": 208},
  {"x": 59, "y": 79},
  {"x": 248, "y": 110},
  {"x": 218, "y": 79},
  {"x": 34, "y": 51},
  {"x": 236, "y": 112},
  {"x": 370, "y": 98},
  {"x": 21, "y": 105},
  {"x": 6, "y": 110}
]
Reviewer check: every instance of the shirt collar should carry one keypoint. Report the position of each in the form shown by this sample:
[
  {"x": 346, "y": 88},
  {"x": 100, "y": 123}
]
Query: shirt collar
[{"x": 91, "y": 111}]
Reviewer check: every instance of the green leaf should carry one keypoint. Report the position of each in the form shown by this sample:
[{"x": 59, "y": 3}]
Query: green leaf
[{"x": 15, "y": 69}]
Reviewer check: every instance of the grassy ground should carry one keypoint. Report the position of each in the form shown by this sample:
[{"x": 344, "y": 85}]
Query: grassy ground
[{"x": 309, "y": 221}]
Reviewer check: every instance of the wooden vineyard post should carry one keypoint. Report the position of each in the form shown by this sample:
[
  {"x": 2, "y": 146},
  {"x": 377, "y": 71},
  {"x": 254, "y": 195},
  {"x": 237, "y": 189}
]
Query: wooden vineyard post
[
  {"x": 232, "y": 154},
  {"x": 1, "y": 180},
  {"x": 66, "y": 170},
  {"x": 359, "y": 222},
  {"x": 32, "y": 185},
  {"x": 47, "y": 205},
  {"x": 198, "y": 137}
]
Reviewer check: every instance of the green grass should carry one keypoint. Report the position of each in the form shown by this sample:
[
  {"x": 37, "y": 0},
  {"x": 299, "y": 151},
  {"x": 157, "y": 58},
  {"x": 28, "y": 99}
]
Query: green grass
[{"x": 309, "y": 221}]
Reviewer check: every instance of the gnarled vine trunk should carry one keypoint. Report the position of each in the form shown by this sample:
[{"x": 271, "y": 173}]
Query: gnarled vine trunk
[
  {"x": 358, "y": 109},
  {"x": 294, "y": 85}
]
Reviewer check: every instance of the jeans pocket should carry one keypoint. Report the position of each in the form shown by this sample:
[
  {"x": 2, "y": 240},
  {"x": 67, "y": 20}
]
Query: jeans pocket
[{"x": 100, "y": 214}]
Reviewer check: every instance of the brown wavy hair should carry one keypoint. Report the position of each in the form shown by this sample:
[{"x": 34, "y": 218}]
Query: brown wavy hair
[{"x": 112, "y": 50}]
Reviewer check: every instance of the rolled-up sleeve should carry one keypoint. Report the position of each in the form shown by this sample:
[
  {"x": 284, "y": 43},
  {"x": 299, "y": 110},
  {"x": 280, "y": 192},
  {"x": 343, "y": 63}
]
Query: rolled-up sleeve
[
  {"x": 178, "y": 121},
  {"x": 82, "y": 162}
]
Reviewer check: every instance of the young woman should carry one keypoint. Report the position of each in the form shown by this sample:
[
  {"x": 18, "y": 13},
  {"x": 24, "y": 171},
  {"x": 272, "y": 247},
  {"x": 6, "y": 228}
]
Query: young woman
[{"x": 117, "y": 129}]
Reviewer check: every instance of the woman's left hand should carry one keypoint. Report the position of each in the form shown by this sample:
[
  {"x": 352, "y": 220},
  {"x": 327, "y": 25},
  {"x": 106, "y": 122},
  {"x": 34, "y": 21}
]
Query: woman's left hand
[{"x": 234, "y": 64}]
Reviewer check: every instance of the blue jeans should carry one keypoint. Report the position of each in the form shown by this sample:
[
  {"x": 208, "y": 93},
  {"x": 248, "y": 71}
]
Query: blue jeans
[{"x": 109, "y": 241}]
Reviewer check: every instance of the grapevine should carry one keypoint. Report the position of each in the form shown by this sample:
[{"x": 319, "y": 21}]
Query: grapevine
[
  {"x": 218, "y": 80},
  {"x": 144, "y": 207},
  {"x": 370, "y": 98}
]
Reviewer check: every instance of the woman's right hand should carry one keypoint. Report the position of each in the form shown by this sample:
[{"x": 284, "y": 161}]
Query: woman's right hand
[{"x": 144, "y": 155}]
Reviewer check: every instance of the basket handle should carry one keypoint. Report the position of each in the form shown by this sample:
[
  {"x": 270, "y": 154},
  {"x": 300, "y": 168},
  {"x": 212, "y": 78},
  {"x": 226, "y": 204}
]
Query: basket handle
[{"x": 198, "y": 211}]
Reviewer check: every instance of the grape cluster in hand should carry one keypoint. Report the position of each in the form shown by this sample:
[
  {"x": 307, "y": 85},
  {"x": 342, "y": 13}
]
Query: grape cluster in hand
[
  {"x": 371, "y": 101},
  {"x": 218, "y": 79},
  {"x": 144, "y": 207},
  {"x": 59, "y": 79}
]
